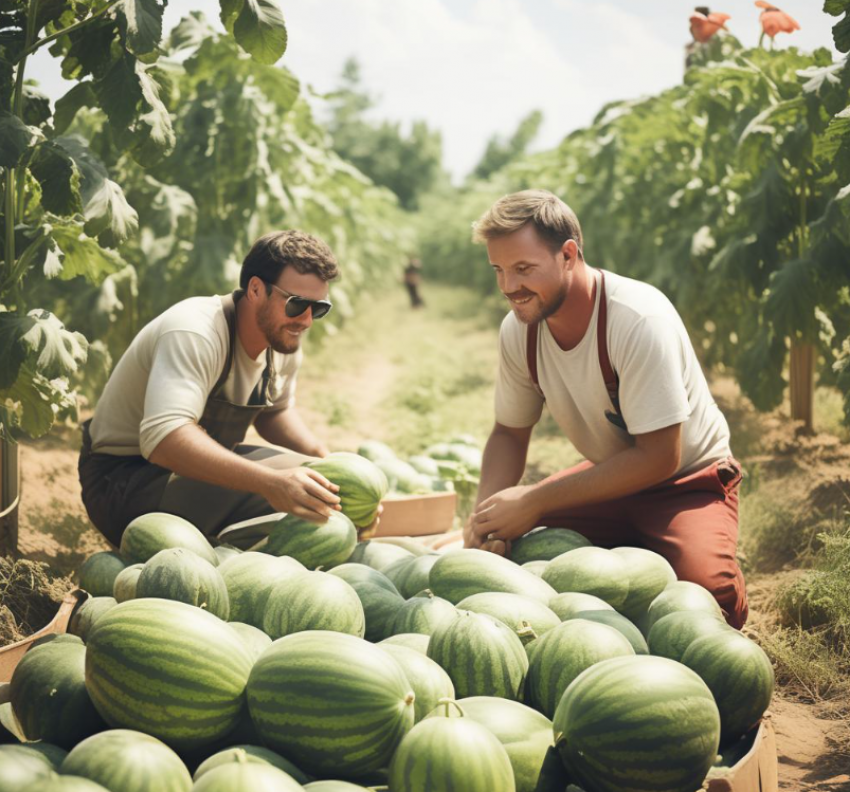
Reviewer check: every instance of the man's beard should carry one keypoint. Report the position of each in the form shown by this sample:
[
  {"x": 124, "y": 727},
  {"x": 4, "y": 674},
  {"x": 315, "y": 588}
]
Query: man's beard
[
  {"x": 275, "y": 335},
  {"x": 545, "y": 310}
]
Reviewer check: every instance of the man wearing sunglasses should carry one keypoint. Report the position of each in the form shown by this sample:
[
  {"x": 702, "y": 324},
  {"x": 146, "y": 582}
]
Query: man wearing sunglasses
[{"x": 168, "y": 433}]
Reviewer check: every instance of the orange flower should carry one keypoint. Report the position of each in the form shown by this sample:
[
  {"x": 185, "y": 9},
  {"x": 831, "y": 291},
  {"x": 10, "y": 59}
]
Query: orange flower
[
  {"x": 704, "y": 27},
  {"x": 774, "y": 21}
]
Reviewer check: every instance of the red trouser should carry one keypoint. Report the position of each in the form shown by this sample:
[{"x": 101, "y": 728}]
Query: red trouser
[{"x": 691, "y": 521}]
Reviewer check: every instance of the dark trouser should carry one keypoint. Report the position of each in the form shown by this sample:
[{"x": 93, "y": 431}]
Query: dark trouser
[
  {"x": 691, "y": 521},
  {"x": 117, "y": 489}
]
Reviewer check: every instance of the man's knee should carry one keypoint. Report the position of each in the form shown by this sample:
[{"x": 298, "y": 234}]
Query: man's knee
[{"x": 724, "y": 580}]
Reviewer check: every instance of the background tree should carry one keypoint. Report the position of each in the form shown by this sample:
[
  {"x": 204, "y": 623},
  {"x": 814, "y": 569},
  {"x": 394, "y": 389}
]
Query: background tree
[{"x": 501, "y": 151}]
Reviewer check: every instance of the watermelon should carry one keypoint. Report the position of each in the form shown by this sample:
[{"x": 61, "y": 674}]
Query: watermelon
[
  {"x": 313, "y": 544},
  {"x": 49, "y": 696},
  {"x": 249, "y": 578},
  {"x": 357, "y": 573},
  {"x": 468, "y": 456},
  {"x": 671, "y": 635},
  {"x": 239, "y": 775},
  {"x": 145, "y": 536},
  {"x": 642, "y": 723},
  {"x": 168, "y": 669},
  {"x": 535, "y": 567},
  {"x": 377, "y": 594},
  {"x": 563, "y": 653},
  {"x": 402, "y": 477},
  {"x": 98, "y": 573},
  {"x": 121, "y": 760},
  {"x": 513, "y": 610},
  {"x": 451, "y": 755},
  {"x": 251, "y": 754},
  {"x": 425, "y": 465},
  {"x": 459, "y": 574},
  {"x": 429, "y": 681},
  {"x": 525, "y": 733},
  {"x": 181, "y": 575},
  {"x": 226, "y": 551},
  {"x": 649, "y": 574},
  {"x": 411, "y": 575},
  {"x": 125, "y": 583},
  {"x": 569, "y": 604},
  {"x": 620, "y": 623},
  {"x": 482, "y": 656},
  {"x": 313, "y": 601},
  {"x": 330, "y": 702},
  {"x": 679, "y": 596},
  {"x": 422, "y": 614},
  {"x": 739, "y": 675},
  {"x": 334, "y": 786},
  {"x": 254, "y": 640},
  {"x": 377, "y": 555},
  {"x": 374, "y": 450},
  {"x": 544, "y": 544},
  {"x": 87, "y": 613},
  {"x": 361, "y": 484},
  {"x": 417, "y": 641},
  {"x": 590, "y": 570},
  {"x": 65, "y": 783},
  {"x": 21, "y": 766}
]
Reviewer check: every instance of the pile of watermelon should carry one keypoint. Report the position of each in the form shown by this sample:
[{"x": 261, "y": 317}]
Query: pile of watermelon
[{"x": 329, "y": 665}]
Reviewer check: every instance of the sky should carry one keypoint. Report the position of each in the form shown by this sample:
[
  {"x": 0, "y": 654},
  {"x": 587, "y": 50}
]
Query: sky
[{"x": 474, "y": 68}]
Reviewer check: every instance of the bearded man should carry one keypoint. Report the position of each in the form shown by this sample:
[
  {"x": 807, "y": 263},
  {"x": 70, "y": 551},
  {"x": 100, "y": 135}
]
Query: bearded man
[
  {"x": 612, "y": 360},
  {"x": 168, "y": 431}
]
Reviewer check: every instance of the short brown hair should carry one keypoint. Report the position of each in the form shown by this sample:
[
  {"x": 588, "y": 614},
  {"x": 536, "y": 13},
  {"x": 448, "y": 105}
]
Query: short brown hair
[
  {"x": 275, "y": 251},
  {"x": 553, "y": 220}
]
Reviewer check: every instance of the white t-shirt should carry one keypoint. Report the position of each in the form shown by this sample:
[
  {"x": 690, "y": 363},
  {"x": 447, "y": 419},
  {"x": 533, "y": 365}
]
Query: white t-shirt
[
  {"x": 181, "y": 354},
  {"x": 661, "y": 382}
]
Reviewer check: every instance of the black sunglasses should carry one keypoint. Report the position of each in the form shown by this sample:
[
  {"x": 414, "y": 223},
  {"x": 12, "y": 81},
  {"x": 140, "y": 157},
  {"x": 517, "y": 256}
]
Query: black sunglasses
[{"x": 295, "y": 305}]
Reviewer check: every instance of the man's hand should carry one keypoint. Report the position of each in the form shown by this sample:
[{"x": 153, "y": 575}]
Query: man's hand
[
  {"x": 303, "y": 492},
  {"x": 502, "y": 517},
  {"x": 370, "y": 530}
]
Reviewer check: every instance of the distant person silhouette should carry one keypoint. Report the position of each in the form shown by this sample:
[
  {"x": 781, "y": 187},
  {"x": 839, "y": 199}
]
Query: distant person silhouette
[{"x": 412, "y": 281}]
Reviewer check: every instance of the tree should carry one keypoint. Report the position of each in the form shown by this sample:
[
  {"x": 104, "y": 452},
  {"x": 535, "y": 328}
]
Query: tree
[{"x": 500, "y": 152}]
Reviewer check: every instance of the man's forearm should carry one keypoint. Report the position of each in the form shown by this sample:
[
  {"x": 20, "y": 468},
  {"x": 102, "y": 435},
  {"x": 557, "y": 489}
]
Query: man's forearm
[
  {"x": 503, "y": 464},
  {"x": 287, "y": 429}
]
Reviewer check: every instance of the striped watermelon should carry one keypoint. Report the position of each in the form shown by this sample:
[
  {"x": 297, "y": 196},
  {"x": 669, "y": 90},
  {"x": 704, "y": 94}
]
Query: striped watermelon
[
  {"x": 181, "y": 575},
  {"x": 356, "y": 573},
  {"x": 569, "y": 604},
  {"x": 451, "y": 755},
  {"x": 126, "y": 580},
  {"x": 166, "y": 668},
  {"x": 253, "y": 639},
  {"x": 679, "y": 596},
  {"x": 620, "y": 623},
  {"x": 334, "y": 786},
  {"x": 313, "y": 601},
  {"x": 249, "y": 578},
  {"x": 429, "y": 681},
  {"x": 21, "y": 766},
  {"x": 49, "y": 696},
  {"x": 374, "y": 450},
  {"x": 544, "y": 544},
  {"x": 515, "y": 611},
  {"x": 525, "y": 733},
  {"x": 87, "y": 613},
  {"x": 738, "y": 674},
  {"x": 145, "y": 536},
  {"x": 313, "y": 544},
  {"x": 417, "y": 641},
  {"x": 462, "y": 573},
  {"x": 403, "y": 477},
  {"x": 535, "y": 567},
  {"x": 423, "y": 613},
  {"x": 250, "y": 753},
  {"x": 361, "y": 484},
  {"x": 563, "y": 653},
  {"x": 98, "y": 573},
  {"x": 330, "y": 702},
  {"x": 122, "y": 760},
  {"x": 590, "y": 570},
  {"x": 482, "y": 656},
  {"x": 649, "y": 575},
  {"x": 377, "y": 594},
  {"x": 642, "y": 723},
  {"x": 239, "y": 775},
  {"x": 411, "y": 575},
  {"x": 378, "y": 555},
  {"x": 672, "y": 635},
  {"x": 55, "y": 783}
]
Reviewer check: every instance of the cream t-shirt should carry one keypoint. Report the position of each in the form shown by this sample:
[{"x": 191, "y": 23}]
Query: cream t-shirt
[
  {"x": 164, "y": 378},
  {"x": 661, "y": 382}
]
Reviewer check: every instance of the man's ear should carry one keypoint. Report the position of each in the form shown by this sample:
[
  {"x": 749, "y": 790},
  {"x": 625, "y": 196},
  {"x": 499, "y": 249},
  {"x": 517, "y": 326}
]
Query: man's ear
[{"x": 569, "y": 250}]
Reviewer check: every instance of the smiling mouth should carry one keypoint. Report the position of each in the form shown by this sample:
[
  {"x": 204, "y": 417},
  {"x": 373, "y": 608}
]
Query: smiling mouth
[{"x": 521, "y": 300}]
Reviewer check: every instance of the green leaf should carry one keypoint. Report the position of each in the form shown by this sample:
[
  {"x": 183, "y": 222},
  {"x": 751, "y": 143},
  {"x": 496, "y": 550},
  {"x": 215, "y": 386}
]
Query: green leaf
[
  {"x": 119, "y": 92},
  {"x": 59, "y": 177},
  {"x": 792, "y": 298},
  {"x": 841, "y": 31},
  {"x": 259, "y": 30},
  {"x": 818, "y": 79},
  {"x": 190, "y": 32},
  {"x": 143, "y": 20},
  {"x": 760, "y": 369},
  {"x": 57, "y": 352},
  {"x": 81, "y": 95},
  {"x": 154, "y": 134},
  {"x": 13, "y": 350},
  {"x": 15, "y": 138},
  {"x": 36, "y": 106},
  {"x": 230, "y": 10},
  {"x": 33, "y": 403},
  {"x": 82, "y": 255},
  {"x": 90, "y": 51}
]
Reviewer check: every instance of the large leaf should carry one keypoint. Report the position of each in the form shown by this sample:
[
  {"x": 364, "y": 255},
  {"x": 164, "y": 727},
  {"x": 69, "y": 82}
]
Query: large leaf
[
  {"x": 54, "y": 351},
  {"x": 67, "y": 107},
  {"x": 59, "y": 177},
  {"x": 13, "y": 350},
  {"x": 792, "y": 299},
  {"x": 119, "y": 92},
  {"x": 82, "y": 255},
  {"x": 230, "y": 10},
  {"x": 143, "y": 24},
  {"x": 33, "y": 403},
  {"x": 15, "y": 138},
  {"x": 191, "y": 32},
  {"x": 90, "y": 51},
  {"x": 36, "y": 106},
  {"x": 154, "y": 133},
  {"x": 760, "y": 369},
  {"x": 259, "y": 30},
  {"x": 841, "y": 31}
]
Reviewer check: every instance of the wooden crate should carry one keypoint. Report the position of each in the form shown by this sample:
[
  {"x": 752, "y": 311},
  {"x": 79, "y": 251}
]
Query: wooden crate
[
  {"x": 757, "y": 770},
  {"x": 417, "y": 515}
]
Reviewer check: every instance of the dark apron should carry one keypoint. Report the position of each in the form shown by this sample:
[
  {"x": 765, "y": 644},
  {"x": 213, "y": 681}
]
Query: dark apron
[{"x": 117, "y": 489}]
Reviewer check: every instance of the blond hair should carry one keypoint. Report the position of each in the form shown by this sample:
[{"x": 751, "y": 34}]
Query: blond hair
[{"x": 553, "y": 220}]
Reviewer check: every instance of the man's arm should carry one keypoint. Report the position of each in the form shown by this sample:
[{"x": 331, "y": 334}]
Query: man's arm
[
  {"x": 190, "y": 452},
  {"x": 287, "y": 429},
  {"x": 512, "y": 512}
]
